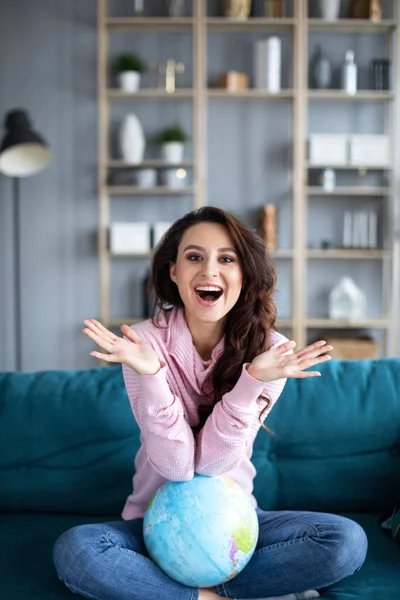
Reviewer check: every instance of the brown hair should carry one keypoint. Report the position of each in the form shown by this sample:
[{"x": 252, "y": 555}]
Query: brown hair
[{"x": 253, "y": 316}]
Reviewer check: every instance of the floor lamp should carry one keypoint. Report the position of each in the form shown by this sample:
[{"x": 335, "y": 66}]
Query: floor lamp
[{"x": 23, "y": 152}]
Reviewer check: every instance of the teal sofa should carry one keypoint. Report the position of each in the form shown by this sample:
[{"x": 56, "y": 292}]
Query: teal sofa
[{"x": 68, "y": 439}]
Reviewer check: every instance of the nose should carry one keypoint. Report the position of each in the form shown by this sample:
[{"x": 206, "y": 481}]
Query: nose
[{"x": 210, "y": 268}]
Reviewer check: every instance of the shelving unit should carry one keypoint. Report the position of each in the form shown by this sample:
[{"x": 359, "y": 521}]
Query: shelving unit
[
  {"x": 300, "y": 100},
  {"x": 352, "y": 25},
  {"x": 154, "y": 191},
  {"x": 349, "y": 191},
  {"x": 255, "y": 94},
  {"x": 374, "y": 96}
]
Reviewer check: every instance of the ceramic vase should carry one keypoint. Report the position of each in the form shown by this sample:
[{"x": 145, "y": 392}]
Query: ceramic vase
[
  {"x": 176, "y": 8},
  {"x": 320, "y": 71},
  {"x": 173, "y": 178},
  {"x": 237, "y": 9},
  {"x": 145, "y": 178},
  {"x": 129, "y": 81},
  {"x": 132, "y": 140},
  {"x": 329, "y": 9},
  {"x": 172, "y": 152}
]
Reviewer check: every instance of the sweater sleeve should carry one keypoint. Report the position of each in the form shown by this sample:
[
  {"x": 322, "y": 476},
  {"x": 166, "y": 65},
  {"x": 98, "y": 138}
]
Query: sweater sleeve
[
  {"x": 169, "y": 440},
  {"x": 234, "y": 422}
]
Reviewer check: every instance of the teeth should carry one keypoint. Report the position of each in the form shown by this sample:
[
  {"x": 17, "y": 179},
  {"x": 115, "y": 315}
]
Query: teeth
[{"x": 208, "y": 288}]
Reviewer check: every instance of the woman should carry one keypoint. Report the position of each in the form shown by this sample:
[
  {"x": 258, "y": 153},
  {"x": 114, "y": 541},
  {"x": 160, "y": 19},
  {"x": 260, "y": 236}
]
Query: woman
[{"x": 201, "y": 377}]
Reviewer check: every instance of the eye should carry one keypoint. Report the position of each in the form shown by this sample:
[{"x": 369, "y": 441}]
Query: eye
[
  {"x": 193, "y": 257},
  {"x": 227, "y": 259}
]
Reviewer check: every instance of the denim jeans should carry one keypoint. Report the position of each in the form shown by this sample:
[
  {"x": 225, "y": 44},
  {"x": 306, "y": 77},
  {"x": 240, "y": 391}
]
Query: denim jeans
[{"x": 296, "y": 551}]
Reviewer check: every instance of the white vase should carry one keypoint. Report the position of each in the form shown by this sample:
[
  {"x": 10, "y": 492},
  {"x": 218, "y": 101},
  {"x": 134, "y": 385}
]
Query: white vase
[
  {"x": 145, "y": 178},
  {"x": 129, "y": 81},
  {"x": 172, "y": 152},
  {"x": 132, "y": 140},
  {"x": 329, "y": 9},
  {"x": 173, "y": 178}
]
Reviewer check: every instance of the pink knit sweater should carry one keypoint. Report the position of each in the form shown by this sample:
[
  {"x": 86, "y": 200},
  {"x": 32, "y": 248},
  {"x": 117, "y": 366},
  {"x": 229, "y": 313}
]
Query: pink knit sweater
[{"x": 165, "y": 407}]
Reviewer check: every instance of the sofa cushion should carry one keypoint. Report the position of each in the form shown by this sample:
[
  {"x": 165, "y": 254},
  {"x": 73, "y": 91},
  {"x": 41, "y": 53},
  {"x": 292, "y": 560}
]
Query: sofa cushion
[
  {"x": 337, "y": 442},
  {"x": 27, "y": 572},
  {"x": 68, "y": 440}
]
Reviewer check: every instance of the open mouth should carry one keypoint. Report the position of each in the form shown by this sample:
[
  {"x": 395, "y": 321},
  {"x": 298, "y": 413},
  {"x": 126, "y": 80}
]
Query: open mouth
[{"x": 208, "y": 295}]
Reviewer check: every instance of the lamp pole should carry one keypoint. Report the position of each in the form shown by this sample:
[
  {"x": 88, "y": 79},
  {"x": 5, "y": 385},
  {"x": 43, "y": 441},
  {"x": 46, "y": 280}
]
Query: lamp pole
[
  {"x": 23, "y": 152},
  {"x": 17, "y": 273}
]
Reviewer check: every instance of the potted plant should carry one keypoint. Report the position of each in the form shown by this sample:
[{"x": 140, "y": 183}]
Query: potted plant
[
  {"x": 172, "y": 141},
  {"x": 129, "y": 68}
]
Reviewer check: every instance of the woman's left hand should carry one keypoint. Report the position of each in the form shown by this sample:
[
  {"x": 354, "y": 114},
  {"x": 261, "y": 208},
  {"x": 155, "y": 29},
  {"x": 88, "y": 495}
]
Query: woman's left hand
[{"x": 275, "y": 364}]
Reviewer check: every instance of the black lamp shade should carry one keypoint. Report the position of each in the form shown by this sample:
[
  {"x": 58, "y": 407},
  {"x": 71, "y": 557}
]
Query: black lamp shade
[{"x": 23, "y": 152}]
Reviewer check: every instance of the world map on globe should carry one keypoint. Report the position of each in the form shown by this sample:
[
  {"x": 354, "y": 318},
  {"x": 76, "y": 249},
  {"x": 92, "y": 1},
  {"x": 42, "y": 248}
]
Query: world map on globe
[{"x": 201, "y": 532}]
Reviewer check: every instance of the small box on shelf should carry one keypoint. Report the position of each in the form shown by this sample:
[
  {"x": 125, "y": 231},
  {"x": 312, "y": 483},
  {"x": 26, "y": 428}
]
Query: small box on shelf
[
  {"x": 233, "y": 81},
  {"x": 369, "y": 150},
  {"x": 129, "y": 238},
  {"x": 352, "y": 348},
  {"x": 325, "y": 149}
]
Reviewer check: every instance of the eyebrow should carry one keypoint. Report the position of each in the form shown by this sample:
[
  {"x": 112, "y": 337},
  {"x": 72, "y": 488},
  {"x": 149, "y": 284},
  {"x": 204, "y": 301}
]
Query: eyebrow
[{"x": 194, "y": 247}]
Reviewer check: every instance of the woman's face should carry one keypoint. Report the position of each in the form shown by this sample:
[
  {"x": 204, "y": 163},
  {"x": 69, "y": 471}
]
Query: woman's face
[{"x": 207, "y": 259}]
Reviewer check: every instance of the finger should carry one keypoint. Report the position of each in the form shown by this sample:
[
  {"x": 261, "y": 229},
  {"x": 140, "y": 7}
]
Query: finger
[
  {"x": 285, "y": 347},
  {"x": 315, "y": 353},
  {"x": 309, "y": 374},
  {"x": 311, "y": 348},
  {"x": 100, "y": 341},
  {"x": 106, "y": 357},
  {"x": 98, "y": 328},
  {"x": 130, "y": 334},
  {"x": 306, "y": 364}
]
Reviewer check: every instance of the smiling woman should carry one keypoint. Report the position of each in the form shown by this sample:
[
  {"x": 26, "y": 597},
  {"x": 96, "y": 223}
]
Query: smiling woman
[
  {"x": 218, "y": 271},
  {"x": 201, "y": 377}
]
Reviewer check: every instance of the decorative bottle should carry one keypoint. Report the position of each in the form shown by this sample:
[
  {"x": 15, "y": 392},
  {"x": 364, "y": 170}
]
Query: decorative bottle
[{"x": 349, "y": 74}]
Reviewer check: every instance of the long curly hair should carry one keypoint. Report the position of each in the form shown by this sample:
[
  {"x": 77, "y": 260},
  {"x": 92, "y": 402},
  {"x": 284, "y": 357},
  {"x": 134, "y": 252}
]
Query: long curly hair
[{"x": 249, "y": 322}]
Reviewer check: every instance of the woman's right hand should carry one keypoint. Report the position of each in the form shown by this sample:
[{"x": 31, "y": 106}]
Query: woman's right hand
[{"x": 133, "y": 352}]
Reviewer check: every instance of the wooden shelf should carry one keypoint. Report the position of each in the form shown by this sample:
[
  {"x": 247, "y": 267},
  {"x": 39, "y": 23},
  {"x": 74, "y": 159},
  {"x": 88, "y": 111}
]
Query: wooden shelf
[
  {"x": 349, "y": 167},
  {"x": 285, "y": 253},
  {"x": 341, "y": 324},
  {"x": 348, "y": 254},
  {"x": 126, "y": 190},
  {"x": 150, "y": 163},
  {"x": 352, "y": 25},
  {"x": 349, "y": 191},
  {"x": 340, "y": 95},
  {"x": 130, "y": 255},
  {"x": 151, "y": 93},
  {"x": 250, "y": 93},
  {"x": 218, "y": 23},
  {"x": 123, "y": 23},
  {"x": 285, "y": 323}
]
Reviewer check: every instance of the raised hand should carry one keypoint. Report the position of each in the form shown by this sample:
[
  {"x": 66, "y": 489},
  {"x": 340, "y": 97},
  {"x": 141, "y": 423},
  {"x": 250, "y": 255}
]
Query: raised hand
[
  {"x": 275, "y": 364},
  {"x": 133, "y": 352}
]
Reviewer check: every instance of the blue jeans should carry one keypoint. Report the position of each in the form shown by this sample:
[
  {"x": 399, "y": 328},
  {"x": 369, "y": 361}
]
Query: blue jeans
[{"x": 296, "y": 551}]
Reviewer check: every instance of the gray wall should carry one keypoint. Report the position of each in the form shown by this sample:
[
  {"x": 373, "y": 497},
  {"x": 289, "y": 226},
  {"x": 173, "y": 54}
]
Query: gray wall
[{"x": 50, "y": 69}]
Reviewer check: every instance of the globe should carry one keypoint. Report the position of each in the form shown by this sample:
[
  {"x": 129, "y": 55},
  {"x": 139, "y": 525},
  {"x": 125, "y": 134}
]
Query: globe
[{"x": 201, "y": 532}]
